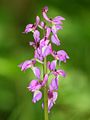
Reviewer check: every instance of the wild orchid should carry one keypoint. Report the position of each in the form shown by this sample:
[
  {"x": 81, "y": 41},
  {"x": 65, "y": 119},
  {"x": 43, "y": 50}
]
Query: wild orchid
[{"x": 42, "y": 49}]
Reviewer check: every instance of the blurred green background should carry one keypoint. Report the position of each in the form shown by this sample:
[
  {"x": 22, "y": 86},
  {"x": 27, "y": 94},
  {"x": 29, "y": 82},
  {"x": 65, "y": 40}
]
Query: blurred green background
[{"x": 74, "y": 99}]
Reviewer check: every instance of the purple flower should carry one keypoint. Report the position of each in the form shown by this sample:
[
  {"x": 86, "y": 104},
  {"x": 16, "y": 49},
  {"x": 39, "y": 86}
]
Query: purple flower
[
  {"x": 46, "y": 50},
  {"x": 60, "y": 55},
  {"x": 52, "y": 68},
  {"x": 32, "y": 27},
  {"x": 29, "y": 28},
  {"x": 37, "y": 84},
  {"x": 44, "y": 11},
  {"x": 55, "y": 39},
  {"x": 52, "y": 97},
  {"x": 36, "y": 71},
  {"x": 45, "y": 40},
  {"x": 27, "y": 64},
  {"x": 54, "y": 84},
  {"x": 42, "y": 49},
  {"x": 52, "y": 65},
  {"x": 48, "y": 31},
  {"x": 36, "y": 36},
  {"x": 55, "y": 28},
  {"x": 42, "y": 24},
  {"x": 56, "y": 25},
  {"x": 37, "y": 95},
  {"x": 37, "y": 22},
  {"x": 34, "y": 85},
  {"x": 57, "y": 20},
  {"x": 45, "y": 79},
  {"x": 38, "y": 54},
  {"x": 59, "y": 72}
]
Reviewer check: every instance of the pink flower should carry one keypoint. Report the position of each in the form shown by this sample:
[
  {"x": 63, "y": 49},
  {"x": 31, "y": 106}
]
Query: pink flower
[
  {"x": 42, "y": 45},
  {"x": 60, "y": 55},
  {"x": 36, "y": 36},
  {"x": 37, "y": 95},
  {"x": 52, "y": 97},
  {"x": 37, "y": 84},
  {"x": 27, "y": 64},
  {"x": 32, "y": 27},
  {"x": 52, "y": 65},
  {"x": 34, "y": 85},
  {"x": 36, "y": 71},
  {"x": 59, "y": 72}
]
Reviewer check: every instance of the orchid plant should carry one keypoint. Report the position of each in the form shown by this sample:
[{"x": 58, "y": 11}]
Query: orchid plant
[{"x": 43, "y": 47}]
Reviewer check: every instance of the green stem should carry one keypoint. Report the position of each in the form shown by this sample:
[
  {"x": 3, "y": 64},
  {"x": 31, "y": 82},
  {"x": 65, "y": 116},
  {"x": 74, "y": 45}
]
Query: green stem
[{"x": 45, "y": 92}]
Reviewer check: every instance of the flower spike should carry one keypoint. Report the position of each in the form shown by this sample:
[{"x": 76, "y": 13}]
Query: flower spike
[{"x": 43, "y": 47}]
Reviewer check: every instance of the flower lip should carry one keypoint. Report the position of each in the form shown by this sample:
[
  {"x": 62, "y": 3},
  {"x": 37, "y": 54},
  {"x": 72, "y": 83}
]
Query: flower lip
[
  {"x": 36, "y": 96},
  {"x": 27, "y": 64},
  {"x": 54, "y": 84},
  {"x": 34, "y": 85},
  {"x": 52, "y": 65},
  {"x": 36, "y": 71}
]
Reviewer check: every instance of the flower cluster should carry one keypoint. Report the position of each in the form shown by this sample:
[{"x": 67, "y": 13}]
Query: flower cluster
[{"x": 43, "y": 48}]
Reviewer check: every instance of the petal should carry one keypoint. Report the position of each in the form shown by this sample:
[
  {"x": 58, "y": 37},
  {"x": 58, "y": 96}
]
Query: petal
[
  {"x": 55, "y": 73},
  {"x": 50, "y": 104},
  {"x": 55, "y": 28},
  {"x": 62, "y": 55},
  {"x": 27, "y": 64},
  {"x": 28, "y": 28},
  {"x": 54, "y": 84},
  {"x": 34, "y": 85},
  {"x": 42, "y": 24},
  {"x": 61, "y": 72},
  {"x": 59, "y": 18},
  {"x": 36, "y": 36},
  {"x": 36, "y": 72},
  {"x": 45, "y": 80},
  {"x": 46, "y": 50},
  {"x": 55, "y": 94},
  {"x": 55, "y": 40},
  {"x": 43, "y": 42},
  {"x": 58, "y": 27},
  {"x": 37, "y": 21},
  {"x": 57, "y": 22},
  {"x": 53, "y": 65},
  {"x": 38, "y": 54},
  {"x": 46, "y": 17},
  {"x": 37, "y": 96},
  {"x": 48, "y": 31}
]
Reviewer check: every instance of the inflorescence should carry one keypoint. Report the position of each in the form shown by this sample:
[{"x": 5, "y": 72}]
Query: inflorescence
[{"x": 43, "y": 48}]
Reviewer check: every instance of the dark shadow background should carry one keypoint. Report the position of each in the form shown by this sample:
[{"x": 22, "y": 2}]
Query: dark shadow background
[{"x": 74, "y": 98}]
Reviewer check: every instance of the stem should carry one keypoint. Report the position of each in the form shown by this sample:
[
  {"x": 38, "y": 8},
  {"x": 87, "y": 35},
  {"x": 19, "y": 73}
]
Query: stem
[{"x": 45, "y": 92}]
